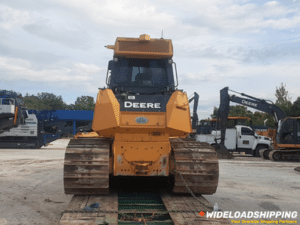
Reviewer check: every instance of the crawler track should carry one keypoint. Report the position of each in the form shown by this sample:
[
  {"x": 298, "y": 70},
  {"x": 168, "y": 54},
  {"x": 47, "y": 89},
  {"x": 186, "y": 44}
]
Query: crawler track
[
  {"x": 285, "y": 155},
  {"x": 19, "y": 144},
  {"x": 280, "y": 154},
  {"x": 196, "y": 166},
  {"x": 86, "y": 166}
]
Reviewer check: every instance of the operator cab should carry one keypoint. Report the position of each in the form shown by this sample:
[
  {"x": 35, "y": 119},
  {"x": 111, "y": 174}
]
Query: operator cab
[
  {"x": 289, "y": 131},
  {"x": 143, "y": 76}
]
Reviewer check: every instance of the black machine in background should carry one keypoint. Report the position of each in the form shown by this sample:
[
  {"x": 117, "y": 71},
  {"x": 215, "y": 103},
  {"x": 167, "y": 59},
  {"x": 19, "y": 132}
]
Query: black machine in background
[{"x": 286, "y": 138}]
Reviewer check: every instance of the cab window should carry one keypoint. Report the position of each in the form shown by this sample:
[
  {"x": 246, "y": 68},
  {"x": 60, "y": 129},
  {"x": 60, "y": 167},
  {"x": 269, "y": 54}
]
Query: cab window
[{"x": 247, "y": 131}]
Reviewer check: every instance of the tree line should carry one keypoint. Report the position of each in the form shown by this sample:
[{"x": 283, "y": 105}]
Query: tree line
[
  {"x": 50, "y": 101},
  {"x": 283, "y": 101}
]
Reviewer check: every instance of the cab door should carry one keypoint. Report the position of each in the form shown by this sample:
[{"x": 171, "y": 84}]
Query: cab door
[
  {"x": 298, "y": 130},
  {"x": 245, "y": 138}
]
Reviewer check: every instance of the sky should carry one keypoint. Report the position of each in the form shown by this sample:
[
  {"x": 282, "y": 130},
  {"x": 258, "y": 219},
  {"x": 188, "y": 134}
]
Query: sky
[{"x": 57, "y": 46}]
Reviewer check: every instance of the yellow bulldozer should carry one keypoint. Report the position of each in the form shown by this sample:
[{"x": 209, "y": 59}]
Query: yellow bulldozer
[{"x": 142, "y": 122}]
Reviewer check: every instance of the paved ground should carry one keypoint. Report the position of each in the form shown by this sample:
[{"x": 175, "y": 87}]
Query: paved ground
[{"x": 31, "y": 187}]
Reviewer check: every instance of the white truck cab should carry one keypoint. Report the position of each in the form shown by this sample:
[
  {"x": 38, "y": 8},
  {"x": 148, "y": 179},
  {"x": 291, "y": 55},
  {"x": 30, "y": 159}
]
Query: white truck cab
[{"x": 240, "y": 139}]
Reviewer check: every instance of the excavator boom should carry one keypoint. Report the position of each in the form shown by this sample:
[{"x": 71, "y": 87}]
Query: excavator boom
[{"x": 285, "y": 140}]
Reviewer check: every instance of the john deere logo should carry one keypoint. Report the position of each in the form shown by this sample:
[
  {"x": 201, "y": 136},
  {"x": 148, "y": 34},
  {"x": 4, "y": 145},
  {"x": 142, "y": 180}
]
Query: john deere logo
[{"x": 141, "y": 120}]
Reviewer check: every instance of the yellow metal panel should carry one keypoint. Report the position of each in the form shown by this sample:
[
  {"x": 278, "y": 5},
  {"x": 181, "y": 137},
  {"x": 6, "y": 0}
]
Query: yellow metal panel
[
  {"x": 288, "y": 146},
  {"x": 142, "y": 47},
  {"x": 110, "y": 47},
  {"x": 107, "y": 112},
  {"x": 141, "y": 158},
  {"x": 155, "y": 136},
  {"x": 108, "y": 120},
  {"x": 144, "y": 37},
  {"x": 86, "y": 135},
  {"x": 178, "y": 114}
]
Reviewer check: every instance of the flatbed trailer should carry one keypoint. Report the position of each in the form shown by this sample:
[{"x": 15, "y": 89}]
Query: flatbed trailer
[{"x": 138, "y": 208}]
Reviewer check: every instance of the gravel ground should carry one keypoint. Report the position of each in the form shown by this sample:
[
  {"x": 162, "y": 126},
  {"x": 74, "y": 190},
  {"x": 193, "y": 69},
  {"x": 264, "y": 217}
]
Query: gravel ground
[
  {"x": 31, "y": 190},
  {"x": 254, "y": 184},
  {"x": 31, "y": 187}
]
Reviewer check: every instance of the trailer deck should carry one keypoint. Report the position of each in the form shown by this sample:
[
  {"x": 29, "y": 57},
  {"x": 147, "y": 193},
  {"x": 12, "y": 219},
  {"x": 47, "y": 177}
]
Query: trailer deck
[{"x": 138, "y": 208}]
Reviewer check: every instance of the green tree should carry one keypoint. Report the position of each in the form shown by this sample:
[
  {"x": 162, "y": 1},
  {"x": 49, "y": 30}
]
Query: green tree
[
  {"x": 295, "y": 109},
  {"x": 31, "y": 101},
  {"x": 259, "y": 118},
  {"x": 240, "y": 110},
  {"x": 51, "y": 101},
  {"x": 83, "y": 103},
  {"x": 236, "y": 110},
  {"x": 44, "y": 100},
  {"x": 283, "y": 100},
  {"x": 215, "y": 113}
]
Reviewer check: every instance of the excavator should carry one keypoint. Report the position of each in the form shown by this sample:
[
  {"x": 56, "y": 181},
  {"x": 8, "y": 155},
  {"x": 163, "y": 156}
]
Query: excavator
[
  {"x": 141, "y": 121},
  {"x": 12, "y": 110},
  {"x": 286, "y": 136}
]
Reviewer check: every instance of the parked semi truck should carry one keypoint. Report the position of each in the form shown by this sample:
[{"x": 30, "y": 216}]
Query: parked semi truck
[{"x": 240, "y": 139}]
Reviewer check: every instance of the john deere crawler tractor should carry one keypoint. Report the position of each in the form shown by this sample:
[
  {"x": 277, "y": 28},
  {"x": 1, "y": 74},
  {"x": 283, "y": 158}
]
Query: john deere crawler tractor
[{"x": 142, "y": 121}]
